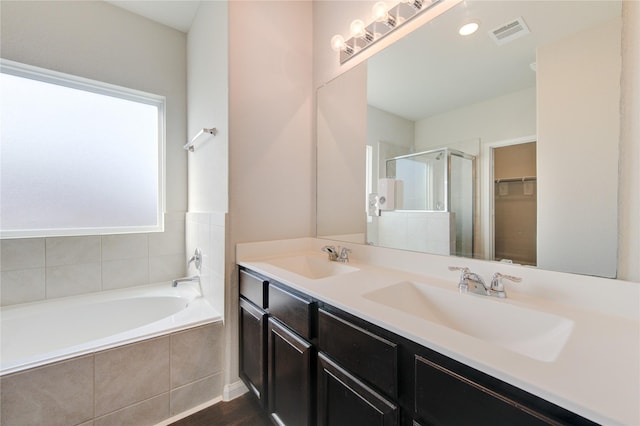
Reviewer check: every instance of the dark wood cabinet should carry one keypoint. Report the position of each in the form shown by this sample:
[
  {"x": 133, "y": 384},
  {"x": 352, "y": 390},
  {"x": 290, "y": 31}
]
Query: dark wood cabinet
[
  {"x": 344, "y": 400},
  {"x": 253, "y": 334},
  {"x": 253, "y": 371},
  {"x": 291, "y": 362},
  {"x": 443, "y": 397}
]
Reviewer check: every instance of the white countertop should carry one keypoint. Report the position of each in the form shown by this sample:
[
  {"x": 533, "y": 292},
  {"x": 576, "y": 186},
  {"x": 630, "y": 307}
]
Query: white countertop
[{"x": 597, "y": 373}]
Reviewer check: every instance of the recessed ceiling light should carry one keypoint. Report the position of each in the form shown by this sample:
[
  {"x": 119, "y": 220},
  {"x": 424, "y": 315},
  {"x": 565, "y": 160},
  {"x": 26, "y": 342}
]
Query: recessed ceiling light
[{"x": 469, "y": 28}]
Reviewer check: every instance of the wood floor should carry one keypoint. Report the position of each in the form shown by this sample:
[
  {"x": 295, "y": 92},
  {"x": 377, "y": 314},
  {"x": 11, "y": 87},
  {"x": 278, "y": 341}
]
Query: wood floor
[{"x": 242, "y": 411}]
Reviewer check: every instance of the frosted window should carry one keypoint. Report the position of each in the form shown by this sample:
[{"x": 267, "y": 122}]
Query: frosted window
[{"x": 77, "y": 157}]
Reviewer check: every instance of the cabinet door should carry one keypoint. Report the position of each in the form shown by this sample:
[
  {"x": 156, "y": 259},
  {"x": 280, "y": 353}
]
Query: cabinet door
[
  {"x": 443, "y": 397},
  {"x": 343, "y": 400},
  {"x": 253, "y": 370},
  {"x": 290, "y": 382}
]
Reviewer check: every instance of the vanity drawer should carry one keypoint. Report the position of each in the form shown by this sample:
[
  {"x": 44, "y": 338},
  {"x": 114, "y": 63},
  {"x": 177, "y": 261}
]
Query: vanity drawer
[
  {"x": 254, "y": 288},
  {"x": 445, "y": 397},
  {"x": 363, "y": 353},
  {"x": 292, "y": 309}
]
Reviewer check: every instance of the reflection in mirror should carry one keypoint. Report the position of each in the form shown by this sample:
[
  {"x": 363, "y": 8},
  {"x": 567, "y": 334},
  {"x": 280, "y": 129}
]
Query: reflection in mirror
[
  {"x": 426, "y": 203},
  {"x": 537, "y": 110}
]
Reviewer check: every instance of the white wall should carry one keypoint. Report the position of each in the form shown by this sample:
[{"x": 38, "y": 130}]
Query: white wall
[
  {"x": 208, "y": 106},
  {"x": 270, "y": 114},
  {"x": 502, "y": 118},
  {"x": 629, "y": 195},
  {"x": 578, "y": 165},
  {"x": 271, "y": 152},
  {"x": 389, "y": 129},
  {"x": 342, "y": 116}
]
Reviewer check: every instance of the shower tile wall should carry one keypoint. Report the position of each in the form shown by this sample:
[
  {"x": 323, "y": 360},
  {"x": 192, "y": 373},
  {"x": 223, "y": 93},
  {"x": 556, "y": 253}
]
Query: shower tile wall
[
  {"x": 34, "y": 269},
  {"x": 207, "y": 231},
  {"x": 428, "y": 232}
]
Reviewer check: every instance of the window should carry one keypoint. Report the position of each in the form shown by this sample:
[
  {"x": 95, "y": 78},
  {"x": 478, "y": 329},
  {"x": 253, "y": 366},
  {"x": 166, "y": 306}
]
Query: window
[{"x": 78, "y": 156}]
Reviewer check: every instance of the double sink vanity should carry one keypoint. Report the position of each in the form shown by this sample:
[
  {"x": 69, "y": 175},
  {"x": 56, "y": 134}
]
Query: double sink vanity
[{"x": 391, "y": 338}]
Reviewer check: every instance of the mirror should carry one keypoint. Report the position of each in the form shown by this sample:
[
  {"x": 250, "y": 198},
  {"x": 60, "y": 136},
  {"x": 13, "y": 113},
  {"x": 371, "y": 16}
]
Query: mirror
[{"x": 532, "y": 97}]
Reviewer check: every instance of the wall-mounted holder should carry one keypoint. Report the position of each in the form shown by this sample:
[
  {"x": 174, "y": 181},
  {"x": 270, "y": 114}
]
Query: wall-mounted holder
[{"x": 189, "y": 146}]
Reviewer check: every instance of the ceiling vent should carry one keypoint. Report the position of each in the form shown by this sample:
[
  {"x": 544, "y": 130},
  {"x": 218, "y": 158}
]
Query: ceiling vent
[{"x": 509, "y": 31}]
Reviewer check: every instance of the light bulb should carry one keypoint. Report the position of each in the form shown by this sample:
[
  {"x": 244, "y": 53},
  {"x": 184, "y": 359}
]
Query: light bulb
[
  {"x": 469, "y": 28},
  {"x": 416, "y": 4},
  {"x": 337, "y": 43},
  {"x": 357, "y": 28},
  {"x": 380, "y": 11}
]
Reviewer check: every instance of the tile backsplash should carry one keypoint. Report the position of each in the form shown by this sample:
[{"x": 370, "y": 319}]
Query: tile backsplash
[{"x": 34, "y": 269}]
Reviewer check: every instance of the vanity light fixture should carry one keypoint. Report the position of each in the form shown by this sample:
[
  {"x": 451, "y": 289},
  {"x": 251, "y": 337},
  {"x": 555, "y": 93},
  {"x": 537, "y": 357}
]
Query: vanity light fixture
[
  {"x": 469, "y": 28},
  {"x": 384, "y": 20}
]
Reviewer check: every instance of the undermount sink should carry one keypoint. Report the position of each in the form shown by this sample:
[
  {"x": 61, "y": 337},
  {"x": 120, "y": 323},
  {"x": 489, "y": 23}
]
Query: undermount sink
[
  {"x": 312, "y": 267},
  {"x": 535, "y": 334}
]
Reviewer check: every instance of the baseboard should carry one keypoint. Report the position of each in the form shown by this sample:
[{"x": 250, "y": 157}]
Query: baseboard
[
  {"x": 189, "y": 412},
  {"x": 233, "y": 390}
]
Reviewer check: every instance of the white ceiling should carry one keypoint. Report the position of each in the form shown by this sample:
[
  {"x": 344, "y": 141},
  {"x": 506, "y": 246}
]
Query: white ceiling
[{"x": 176, "y": 14}]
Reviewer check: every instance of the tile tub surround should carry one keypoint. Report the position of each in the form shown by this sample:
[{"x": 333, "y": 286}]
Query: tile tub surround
[
  {"x": 596, "y": 375},
  {"x": 137, "y": 384},
  {"x": 34, "y": 269}
]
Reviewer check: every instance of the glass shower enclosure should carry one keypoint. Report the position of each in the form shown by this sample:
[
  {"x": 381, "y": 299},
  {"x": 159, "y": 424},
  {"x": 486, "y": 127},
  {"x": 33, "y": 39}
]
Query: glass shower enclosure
[{"x": 435, "y": 182}]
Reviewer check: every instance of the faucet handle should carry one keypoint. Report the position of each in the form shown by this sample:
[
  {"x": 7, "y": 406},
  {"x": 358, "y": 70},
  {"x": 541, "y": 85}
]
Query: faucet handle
[
  {"x": 344, "y": 254},
  {"x": 496, "y": 281},
  {"x": 464, "y": 271},
  {"x": 196, "y": 258}
]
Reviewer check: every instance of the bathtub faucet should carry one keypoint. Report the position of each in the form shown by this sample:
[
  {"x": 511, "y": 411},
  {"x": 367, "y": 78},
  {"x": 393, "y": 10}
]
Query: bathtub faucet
[{"x": 193, "y": 279}]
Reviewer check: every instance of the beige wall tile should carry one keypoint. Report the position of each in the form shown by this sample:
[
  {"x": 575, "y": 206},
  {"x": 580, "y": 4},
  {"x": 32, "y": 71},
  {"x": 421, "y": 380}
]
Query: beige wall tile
[
  {"x": 68, "y": 280},
  {"x": 72, "y": 250},
  {"x": 21, "y": 254},
  {"x": 125, "y": 246},
  {"x": 149, "y": 412},
  {"x": 22, "y": 285},
  {"x": 196, "y": 354},
  {"x": 131, "y": 374},
  {"x": 171, "y": 241},
  {"x": 191, "y": 395},
  {"x": 58, "y": 394},
  {"x": 165, "y": 268},
  {"x": 125, "y": 273}
]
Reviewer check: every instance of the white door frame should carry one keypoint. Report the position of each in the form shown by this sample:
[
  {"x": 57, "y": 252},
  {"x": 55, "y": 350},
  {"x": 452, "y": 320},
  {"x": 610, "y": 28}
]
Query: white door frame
[{"x": 487, "y": 200}]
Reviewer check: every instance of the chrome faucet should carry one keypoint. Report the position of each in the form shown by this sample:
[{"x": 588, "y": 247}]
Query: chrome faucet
[
  {"x": 473, "y": 283},
  {"x": 334, "y": 256},
  {"x": 331, "y": 251},
  {"x": 192, "y": 279}
]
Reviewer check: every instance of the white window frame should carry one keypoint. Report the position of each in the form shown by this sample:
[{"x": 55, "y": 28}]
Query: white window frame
[{"x": 54, "y": 77}]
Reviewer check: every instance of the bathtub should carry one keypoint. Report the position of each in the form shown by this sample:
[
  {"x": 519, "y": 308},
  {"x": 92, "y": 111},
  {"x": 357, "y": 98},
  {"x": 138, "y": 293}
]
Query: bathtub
[{"x": 39, "y": 333}]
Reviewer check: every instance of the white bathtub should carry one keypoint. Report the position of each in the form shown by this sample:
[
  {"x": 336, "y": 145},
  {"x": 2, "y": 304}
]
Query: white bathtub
[{"x": 39, "y": 333}]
